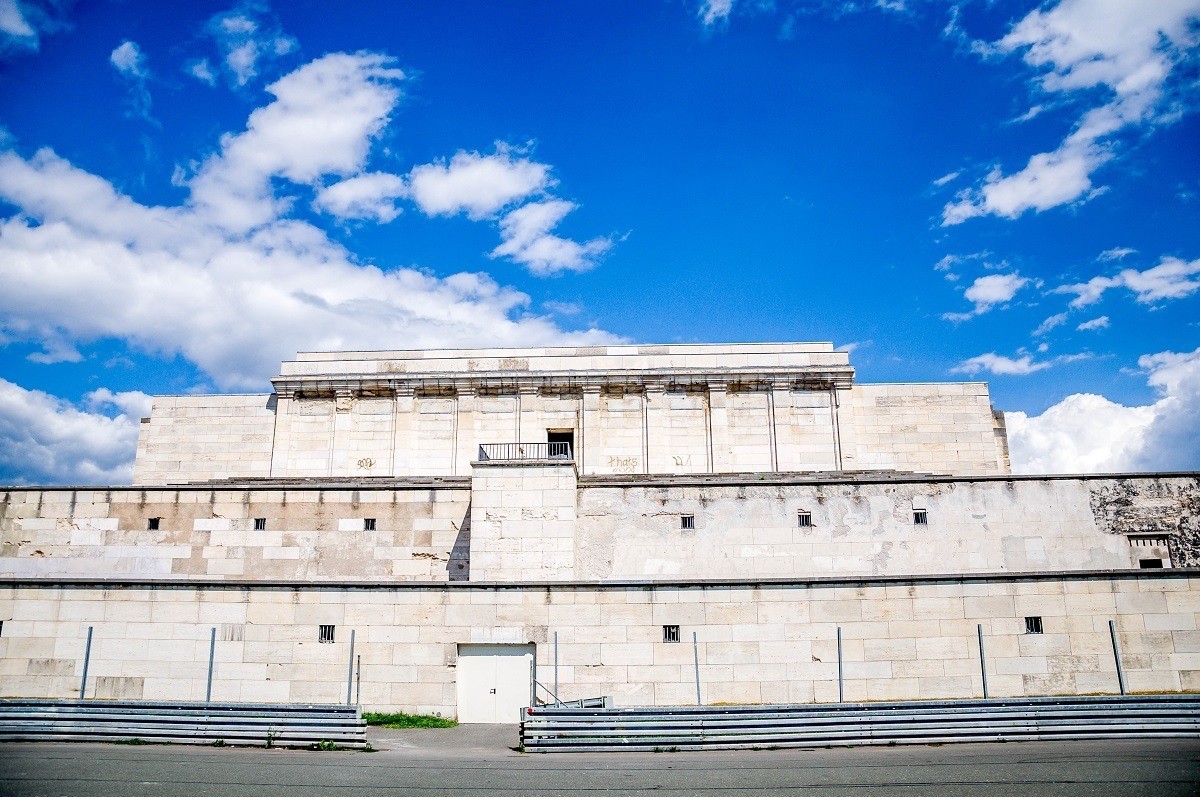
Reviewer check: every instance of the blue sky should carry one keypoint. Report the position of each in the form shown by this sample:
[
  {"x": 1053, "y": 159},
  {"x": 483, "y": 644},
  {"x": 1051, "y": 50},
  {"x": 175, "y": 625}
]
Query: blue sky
[{"x": 958, "y": 190}]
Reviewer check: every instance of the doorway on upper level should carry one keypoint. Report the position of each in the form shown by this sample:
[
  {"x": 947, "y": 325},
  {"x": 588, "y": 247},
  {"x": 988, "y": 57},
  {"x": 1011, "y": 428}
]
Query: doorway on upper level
[{"x": 562, "y": 443}]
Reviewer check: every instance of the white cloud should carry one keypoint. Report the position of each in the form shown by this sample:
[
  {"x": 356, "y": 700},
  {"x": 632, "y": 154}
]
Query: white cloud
[
  {"x": 988, "y": 291},
  {"x": 226, "y": 279},
  {"x": 13, "y": 22},
  {"x": 1095, "y": 323},
  {"x": 130, "y": 63},
  {"x": 1116, "y": 253},
  {"x": 1129, "y": 49},
  {"x": 528, "y": 240},
  {"x": 201, "y": 70},
  {"x": 480, "y": 185},
  {"x": 48, "y": 440},
  {"x": 1050, "y": 323},
  {"x": 367, "y": 196},
  {"x": 245, "y": 39},
  {"x": 946, "y": 178},
  {"x": 999, "y": 364},
  {"x": 712, "y": 12},
  {"x": 1086, "y": 433},
  {"x": 1172, "y": 278}
]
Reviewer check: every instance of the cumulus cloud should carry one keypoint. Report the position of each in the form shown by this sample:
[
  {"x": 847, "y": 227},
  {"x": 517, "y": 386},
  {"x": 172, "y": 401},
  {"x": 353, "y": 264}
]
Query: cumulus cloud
[
  {"x": 46, "y": 440},
  {"x": 1087, "y": 433},
  {"x": 201, "y": 70},
  {"x": 226, "y": 279},
  {"x": 989, "y": 291},
  {"x": 1050, "y": 323},
  {"x": 1116, "y": 253},
  {"x": 1172, "y": 278},
  {"x": 246, "y": 38},
  {"x": 999, "y": 364},
  {"x": 1128, "y": 50},
  {"x": 367, "y": 196},
  {"x": 479, "y": 185},
  {"x": 130, "y": 63},
  {"x": 528, "y": 240},
  {"x": 712, "y": 12},
  {"x": 23, "y": 23},
  {"x": 1095, "y": 323}
]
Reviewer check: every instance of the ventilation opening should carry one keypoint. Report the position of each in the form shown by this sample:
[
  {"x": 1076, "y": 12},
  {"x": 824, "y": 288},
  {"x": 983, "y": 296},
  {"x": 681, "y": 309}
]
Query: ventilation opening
[
  {"x": 687, "y": 522},
  {"x": 804, "y": 519},
  {"x": 1150, "y": 564},
  {"x": 920, "y": 517},
  {"x": 670, "y": 633},
  {"x": 1033, "y": 625},
  {"x": 368, "y": 524},
  {"x": 325, "y": 634},
  {"x": 260, "y": 524},
  {"x": 153, "y": 523}
]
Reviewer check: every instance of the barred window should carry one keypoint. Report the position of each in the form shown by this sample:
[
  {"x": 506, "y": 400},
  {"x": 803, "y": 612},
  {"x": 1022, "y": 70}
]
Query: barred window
[
  {"x": 153, "y": 523},
  {"x": 804, "y": 519},
  {"x": 368, "y": 524},
  {"x": 687, "y": 522},
  {"x": 260, "y": 524},
  {"x": 670, "y": 633},
  {"x": 325, "y": 633},
  {"x": 920, "y": 517},
  {"x": 1033, "y": 625}
]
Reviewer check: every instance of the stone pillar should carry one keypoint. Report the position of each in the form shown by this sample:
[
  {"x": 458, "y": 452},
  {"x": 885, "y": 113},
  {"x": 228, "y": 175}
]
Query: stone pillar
[
  {"x": 718, "y": 422},
  {"x": 591, "y": 433},
  {"x": 656, "y": 439},
  {"x": 402, "y": 453},
  {"x": 279, "y": 445},
  {"x": 343, "y": 425},
  {"x": 773, "y": 424},
  {"x": 467, "y": 437},
  {"x": 527, "y": 416}
]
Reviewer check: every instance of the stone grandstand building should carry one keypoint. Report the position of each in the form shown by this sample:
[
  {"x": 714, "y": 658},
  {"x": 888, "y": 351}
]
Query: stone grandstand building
[{"x": 487, "y": 528}]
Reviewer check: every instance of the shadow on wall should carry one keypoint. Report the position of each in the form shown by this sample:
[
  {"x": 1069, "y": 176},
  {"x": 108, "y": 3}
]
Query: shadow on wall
[{"x": 459, "y": 566}]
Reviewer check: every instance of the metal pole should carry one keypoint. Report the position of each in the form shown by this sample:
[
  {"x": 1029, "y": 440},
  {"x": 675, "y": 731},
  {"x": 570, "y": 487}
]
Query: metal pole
[
  {"x": 556, "y": 700},
  {"x": 1112, "y": 632},
  {"x": 696, "y": 657},
  {"x": 212, "y": 649},
  {"x": 358, "y": 681},
  {"x": 841, "y": 694},
  {"x": 982, "y": 660},
  {"x": 350, "y": 669},
  {"x": 87, "y": 659}
]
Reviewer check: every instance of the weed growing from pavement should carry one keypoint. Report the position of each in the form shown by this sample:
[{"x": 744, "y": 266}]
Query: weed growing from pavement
[{"x": 401, "y": 720}]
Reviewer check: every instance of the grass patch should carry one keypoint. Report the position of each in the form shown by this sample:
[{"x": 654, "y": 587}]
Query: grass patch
[{"x": 400, "y": 720}]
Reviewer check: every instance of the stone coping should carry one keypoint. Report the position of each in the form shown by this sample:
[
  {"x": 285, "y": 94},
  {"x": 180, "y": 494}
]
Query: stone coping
[
  {"x": 615, "y": 584},
  {"x": 593, "y": 480}
]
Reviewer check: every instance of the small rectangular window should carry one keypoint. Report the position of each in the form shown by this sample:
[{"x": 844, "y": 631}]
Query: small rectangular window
[
  {"x": 152, "y": 524},
  {"x": 920, "y": 517},
  {"x": 670, "y": 633},
  {"x": 1033, "y": 625},
  {"x": 325, "y": 634},
  {"x": 368, "y": 524},
  {"x": 260, "y": 524},
  {"x": 687, "y": 522},
  {"x": 1150, "y": 564},
  {"x": 804, "y": 519}
]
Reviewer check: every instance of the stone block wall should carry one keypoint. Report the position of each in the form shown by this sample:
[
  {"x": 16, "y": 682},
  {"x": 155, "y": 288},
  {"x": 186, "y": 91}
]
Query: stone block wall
[
  {"x": 523, "y": 522},
  {"x": 193, "y": 438},
  {"x": 758, "y": 643}
]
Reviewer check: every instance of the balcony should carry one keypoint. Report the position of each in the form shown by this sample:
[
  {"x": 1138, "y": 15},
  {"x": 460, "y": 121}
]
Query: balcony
[{"x": 519, "y": 452}]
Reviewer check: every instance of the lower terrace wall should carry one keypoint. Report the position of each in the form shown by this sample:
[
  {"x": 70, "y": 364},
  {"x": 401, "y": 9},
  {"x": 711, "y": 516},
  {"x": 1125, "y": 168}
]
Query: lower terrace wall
[{"x": 764, "y": 642}]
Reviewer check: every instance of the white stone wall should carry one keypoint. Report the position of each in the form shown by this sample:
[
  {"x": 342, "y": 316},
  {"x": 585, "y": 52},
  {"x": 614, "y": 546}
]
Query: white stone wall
[
  {"x": 522, "y": 522},
  {"x": 766, "y": 643},
  {"x": 192, "y": 438},
  {"x": 311, "y": 534}
]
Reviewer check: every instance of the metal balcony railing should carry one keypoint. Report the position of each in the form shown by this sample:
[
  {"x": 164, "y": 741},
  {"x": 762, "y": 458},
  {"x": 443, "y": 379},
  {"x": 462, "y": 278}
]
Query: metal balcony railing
[{"x": 515, "y": 452}]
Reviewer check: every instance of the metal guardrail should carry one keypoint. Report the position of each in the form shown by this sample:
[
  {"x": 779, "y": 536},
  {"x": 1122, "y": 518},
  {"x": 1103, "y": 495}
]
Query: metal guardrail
[
  {"x": 557, "y": 729},
  {"x": 282, "y": 725},
  {"x": 516, "y": 452}
]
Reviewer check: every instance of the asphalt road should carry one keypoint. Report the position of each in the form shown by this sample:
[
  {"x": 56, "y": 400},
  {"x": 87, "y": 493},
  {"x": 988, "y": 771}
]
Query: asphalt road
[{"x": 476, "y": 760}]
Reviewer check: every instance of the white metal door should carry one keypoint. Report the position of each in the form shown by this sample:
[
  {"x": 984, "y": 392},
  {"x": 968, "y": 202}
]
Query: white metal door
[{"x": 494, "y": 682}]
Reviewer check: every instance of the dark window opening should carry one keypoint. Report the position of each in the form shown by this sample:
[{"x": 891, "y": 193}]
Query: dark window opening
[
  {"x": 670, "y": 633},
  {"x": 561, "y": 444},
  {"x": 687, "y": 522},
  {"x": 260, "y": 524},
  {"x": 325, "y": 634},
  {"x": 368, "y": 524},
  {"x": 920, "y": 517},
  {"x": 1033, "y": 625},
  {"x": 804, "y": 519},
  {"x": 152, "y": 524},
  {"x": 1150, "y": 564}
]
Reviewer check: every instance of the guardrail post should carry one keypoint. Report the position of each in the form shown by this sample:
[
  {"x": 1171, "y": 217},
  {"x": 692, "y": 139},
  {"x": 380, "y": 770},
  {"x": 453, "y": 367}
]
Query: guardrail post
[
  {"x": 1112, "y": 633},
  {"x": 358, "y": 681},
  {"x": 841, "y": 693},
  {"x": 212, "y": 650},
  {"x": 982, "y": 660},
  {"x": 556, "y": 700},
  {"x": 696, "y": 658},
  {"x": 350, "y": 669},
  {"x": 87, "y": 659}
]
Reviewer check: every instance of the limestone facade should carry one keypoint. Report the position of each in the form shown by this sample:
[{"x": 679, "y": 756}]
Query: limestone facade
[
  {"x": 762, "y": 642},
  {"x": 629, "y": 410}
]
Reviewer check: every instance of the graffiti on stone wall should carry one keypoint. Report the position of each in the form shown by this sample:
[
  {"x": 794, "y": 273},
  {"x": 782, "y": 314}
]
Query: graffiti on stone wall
[{"x": 623, "y": 464}]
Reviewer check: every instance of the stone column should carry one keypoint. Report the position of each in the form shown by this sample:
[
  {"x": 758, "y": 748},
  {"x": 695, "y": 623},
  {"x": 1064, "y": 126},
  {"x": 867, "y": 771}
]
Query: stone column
[
  {"x": 591, "y": 433},
  {"x": 282, "y": 437},
  {"x": 718, "y": 422},
  {"x": 466, "y": 436},
  {"x": 527, "y": 416},
  {"x": 656, "y": 439},
  {"x": 402, "y": 453},
  {"x": 343, "y": 425}
]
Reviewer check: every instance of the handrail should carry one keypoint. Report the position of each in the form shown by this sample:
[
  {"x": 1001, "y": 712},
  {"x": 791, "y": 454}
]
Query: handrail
[{"x": 517, "y": 452}]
